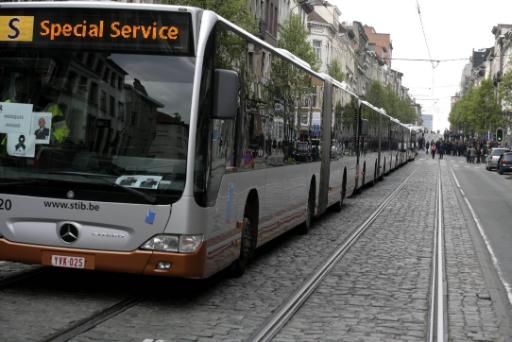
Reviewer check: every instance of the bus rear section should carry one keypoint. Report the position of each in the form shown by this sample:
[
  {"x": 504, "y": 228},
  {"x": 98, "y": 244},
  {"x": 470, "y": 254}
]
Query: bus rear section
[{"x": 95, "y": 110}]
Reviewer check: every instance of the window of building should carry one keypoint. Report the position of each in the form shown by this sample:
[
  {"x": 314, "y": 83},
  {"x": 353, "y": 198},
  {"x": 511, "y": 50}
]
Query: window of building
[
  {"x": 274, "y": 21},
  {"x": 106, "y": 75},
  {"x": 112, "y": 107},
  {"x": 82, "y": 85},
  {"x": 103, "y": 101},
  {"x": 93, "y": 95},
  {"x": 271, "y": 19},
  {"x": 317, "y": 46}
]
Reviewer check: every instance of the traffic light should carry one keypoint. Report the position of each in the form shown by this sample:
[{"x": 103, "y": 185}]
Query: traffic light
[{"x": 499, "y": 134}]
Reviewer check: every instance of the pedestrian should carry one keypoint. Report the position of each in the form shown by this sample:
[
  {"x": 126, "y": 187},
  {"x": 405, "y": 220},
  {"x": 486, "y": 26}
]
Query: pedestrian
[
  {"x": 471, "y": 151},
  {"x": 433, "y": 149},
  {"x": 441, "y": 150},
  {"x": 426, "y": 148}
]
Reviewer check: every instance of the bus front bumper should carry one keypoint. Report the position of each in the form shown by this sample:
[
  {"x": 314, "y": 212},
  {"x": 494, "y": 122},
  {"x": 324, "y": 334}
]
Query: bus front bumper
[{"x": 138, "y": 261}]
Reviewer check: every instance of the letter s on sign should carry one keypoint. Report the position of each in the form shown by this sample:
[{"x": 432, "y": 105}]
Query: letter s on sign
[{"x": 14, "y": 28}]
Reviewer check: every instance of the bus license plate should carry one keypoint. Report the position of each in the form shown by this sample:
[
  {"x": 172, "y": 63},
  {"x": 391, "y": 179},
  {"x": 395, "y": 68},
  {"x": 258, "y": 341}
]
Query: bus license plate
[{"x": 68, "y": 261}]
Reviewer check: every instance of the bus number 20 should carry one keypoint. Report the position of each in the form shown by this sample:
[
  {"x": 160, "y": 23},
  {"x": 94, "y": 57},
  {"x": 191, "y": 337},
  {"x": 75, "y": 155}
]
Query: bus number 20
[{"x": 5, "y": 204}]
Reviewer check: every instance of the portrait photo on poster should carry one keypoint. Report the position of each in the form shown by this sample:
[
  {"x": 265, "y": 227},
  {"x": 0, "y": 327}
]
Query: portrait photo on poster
[
  {"x": 41, "y": 127},
  {"x": 21, "y": 145}
]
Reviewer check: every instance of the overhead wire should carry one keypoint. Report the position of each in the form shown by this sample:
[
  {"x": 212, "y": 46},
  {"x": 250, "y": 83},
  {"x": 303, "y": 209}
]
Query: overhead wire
[
  {"x": 436, "y": 61},
  {"x": 434, "y": 64}
]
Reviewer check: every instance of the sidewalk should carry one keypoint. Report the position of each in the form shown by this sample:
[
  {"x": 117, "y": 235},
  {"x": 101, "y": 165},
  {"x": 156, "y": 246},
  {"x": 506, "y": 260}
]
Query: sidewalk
[{"x": 380, "y": 290}]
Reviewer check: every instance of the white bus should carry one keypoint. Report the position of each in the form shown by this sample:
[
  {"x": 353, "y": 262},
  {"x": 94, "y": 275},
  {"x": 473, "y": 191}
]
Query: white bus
[{"x": 165, "y": 140}]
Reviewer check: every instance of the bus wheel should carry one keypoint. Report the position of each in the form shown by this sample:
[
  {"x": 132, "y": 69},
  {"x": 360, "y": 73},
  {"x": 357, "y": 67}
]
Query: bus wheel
[
  {"x": 310, "y": 210},
  {"x": 337, "y": 206},
  {"x": 247, "y": 246}
]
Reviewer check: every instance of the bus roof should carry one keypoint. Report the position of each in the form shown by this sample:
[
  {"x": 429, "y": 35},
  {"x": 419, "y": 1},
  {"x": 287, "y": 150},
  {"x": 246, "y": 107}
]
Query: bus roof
[{"x": 98, "y": 4}]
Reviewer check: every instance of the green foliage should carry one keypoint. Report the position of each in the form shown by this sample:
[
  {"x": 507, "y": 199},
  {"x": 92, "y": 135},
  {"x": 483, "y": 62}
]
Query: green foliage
[
  {"x": 505, "y": 89},
  {"x": 334, "y": 70},
  {"x": 236, "y": 11},
  {"x": 477, "y": 111},
  {"x": 385, "y": 97},
  {"x": 293, "y": 36}
]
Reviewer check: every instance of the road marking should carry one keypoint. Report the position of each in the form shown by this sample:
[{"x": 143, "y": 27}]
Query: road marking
[{"x": 507, "y": 286}]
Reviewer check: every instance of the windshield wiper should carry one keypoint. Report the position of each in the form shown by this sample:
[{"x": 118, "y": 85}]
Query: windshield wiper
[{"x": 101, "y": 177}]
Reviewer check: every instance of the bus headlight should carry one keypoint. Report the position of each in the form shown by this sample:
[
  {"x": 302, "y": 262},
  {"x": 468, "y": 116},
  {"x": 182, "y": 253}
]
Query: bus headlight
[
  {"x": 164, "y": 243},
  {"x": 190, "y": 243},
  {"x": 174, "y": 243}
]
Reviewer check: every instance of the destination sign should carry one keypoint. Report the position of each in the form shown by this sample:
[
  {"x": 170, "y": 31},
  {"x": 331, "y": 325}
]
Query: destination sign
[{"x": 139, "y": 31}]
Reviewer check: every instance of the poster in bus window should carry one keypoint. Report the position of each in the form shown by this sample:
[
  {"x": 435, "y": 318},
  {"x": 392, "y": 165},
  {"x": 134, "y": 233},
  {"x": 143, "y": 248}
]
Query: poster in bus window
[
  {"x": 41, "y": 127},
  {"x": 139, "y": 181},
  {"x": 21, "y": 145},
  {"x": 15, "y": 117}
]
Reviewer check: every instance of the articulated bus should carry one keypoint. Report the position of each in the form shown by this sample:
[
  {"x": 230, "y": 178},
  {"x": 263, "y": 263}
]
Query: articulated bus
[{"x": 165, "y": 140}]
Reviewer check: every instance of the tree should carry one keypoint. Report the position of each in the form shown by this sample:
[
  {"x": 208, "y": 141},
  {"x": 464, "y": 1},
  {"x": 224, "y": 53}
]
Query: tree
[
  {"x": 505, "y": 89},
  {"x": 376, "y": 95},
  {"x": 334, "y": 70},
  {"x": 387, "y": 98},
  {"x": 477, "y": 111},
  {"x": 294, "y": 38}
]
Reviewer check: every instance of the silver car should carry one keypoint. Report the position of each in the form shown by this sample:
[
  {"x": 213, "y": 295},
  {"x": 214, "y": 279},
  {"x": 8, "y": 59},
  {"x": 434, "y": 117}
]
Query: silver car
[{"x": 492, "y": 158}]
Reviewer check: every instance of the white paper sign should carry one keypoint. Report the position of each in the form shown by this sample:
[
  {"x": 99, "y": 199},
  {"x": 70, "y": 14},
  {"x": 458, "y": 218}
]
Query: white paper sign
[
  {"x": 139, "y": 181},
  {"x": 21, "y": 145},
  {"x": 41, "y": 127},
  {"x": 15, "y": 117}
]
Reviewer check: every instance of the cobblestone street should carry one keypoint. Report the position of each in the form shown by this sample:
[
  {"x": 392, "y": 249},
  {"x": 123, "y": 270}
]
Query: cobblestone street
[
  {"x": 378, "y": 292},
  {"x": 255, "y": 171}
]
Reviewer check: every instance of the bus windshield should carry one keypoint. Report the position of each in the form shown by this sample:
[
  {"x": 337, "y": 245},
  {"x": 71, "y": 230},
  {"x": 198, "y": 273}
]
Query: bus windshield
[{"x": 109, "y": 126}]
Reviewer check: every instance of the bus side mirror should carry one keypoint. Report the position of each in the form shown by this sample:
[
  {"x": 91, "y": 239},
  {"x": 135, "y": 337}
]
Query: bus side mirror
[
  {"x": 225, "y": 102},
  {"x": 364, "y": 127}
]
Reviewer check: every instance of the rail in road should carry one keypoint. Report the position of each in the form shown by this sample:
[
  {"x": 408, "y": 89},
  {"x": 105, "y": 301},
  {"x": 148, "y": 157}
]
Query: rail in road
[
  {"x": 435, "y": 325},
  {"x": 437, "y": 317},
  {"x": 437, "y": 312},
  {"x": 279, "y": 319}
]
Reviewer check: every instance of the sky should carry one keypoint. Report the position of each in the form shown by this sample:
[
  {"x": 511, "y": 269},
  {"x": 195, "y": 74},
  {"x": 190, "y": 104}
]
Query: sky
[{"x": 453, "y": 29}]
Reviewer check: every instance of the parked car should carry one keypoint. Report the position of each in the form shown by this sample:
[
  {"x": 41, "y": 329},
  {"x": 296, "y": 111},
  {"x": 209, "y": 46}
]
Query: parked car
[
  {"x": 505, "y": 163},
  {"x": 492, "y": 158}
]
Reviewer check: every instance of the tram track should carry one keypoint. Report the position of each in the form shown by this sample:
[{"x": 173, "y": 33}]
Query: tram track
[
  {"x": 437, "y": 318},
  {"x": 90, "y": 322},
  {"x": 285, "y": 312},
  {"x": 80, "y": 326}
]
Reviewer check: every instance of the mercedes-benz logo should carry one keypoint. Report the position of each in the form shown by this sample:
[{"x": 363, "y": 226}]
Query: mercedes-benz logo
[{"x": 69, "y": 232}]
